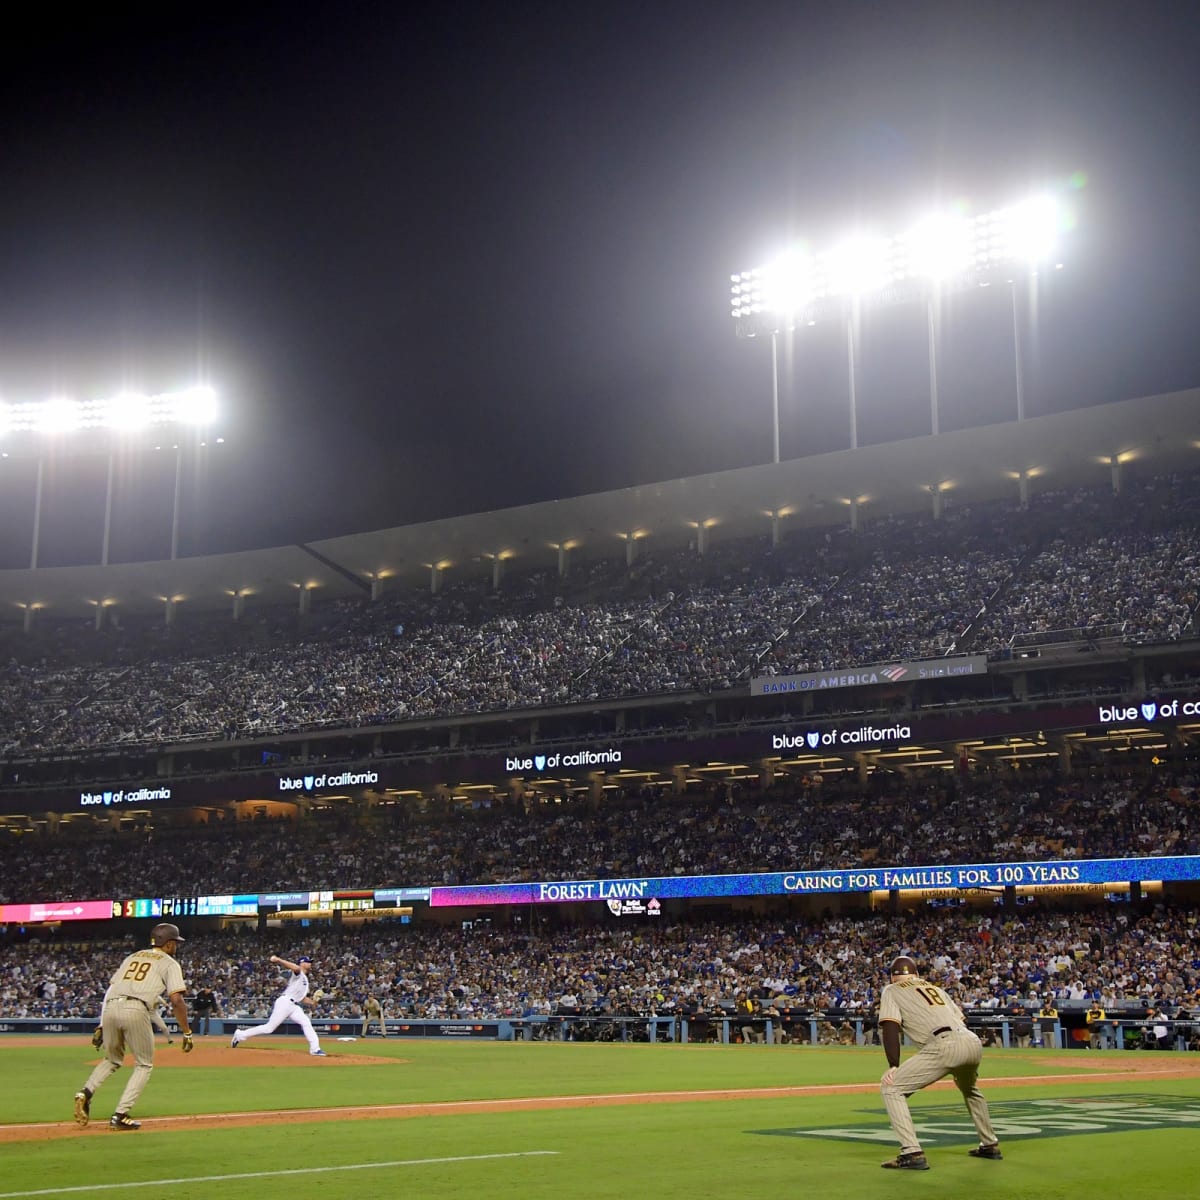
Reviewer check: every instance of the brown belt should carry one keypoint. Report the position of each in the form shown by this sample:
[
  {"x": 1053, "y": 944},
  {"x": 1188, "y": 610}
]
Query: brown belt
[{"x": 944, "y": 1029}]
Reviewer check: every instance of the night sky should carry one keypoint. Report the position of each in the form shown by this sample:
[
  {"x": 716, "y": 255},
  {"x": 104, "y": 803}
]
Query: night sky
[{"x": 446, "y": 259}]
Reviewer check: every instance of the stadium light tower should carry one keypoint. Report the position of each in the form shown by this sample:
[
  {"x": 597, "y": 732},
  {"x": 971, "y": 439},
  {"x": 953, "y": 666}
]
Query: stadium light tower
[
  {"x": 944, "y": 253},
  {"x": 124, "y": 414}
]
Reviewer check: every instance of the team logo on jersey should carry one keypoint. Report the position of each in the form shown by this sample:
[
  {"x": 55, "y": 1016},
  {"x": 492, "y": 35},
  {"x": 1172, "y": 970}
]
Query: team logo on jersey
[{"x": 1015, "y": 1119}]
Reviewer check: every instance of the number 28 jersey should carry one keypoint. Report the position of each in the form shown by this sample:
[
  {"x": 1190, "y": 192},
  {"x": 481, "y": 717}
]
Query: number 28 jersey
[
  {"x": 919, "y": 1008},
  {"x": 145, "y": 975}
]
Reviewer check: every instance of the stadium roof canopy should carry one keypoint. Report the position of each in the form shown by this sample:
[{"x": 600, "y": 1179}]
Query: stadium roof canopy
[{"x": 1064, "y": 450}]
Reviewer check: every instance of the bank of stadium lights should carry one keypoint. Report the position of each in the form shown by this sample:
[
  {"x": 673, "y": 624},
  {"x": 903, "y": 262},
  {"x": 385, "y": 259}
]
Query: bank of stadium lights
[
  {"x": 125, "y": 412},
  {"x": 942, "y": 253},
  {"x": 946, "y": 249}
]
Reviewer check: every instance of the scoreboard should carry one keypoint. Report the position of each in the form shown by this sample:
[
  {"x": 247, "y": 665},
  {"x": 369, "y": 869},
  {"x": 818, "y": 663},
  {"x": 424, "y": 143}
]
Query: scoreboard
[{"x": 160, "y": 907}]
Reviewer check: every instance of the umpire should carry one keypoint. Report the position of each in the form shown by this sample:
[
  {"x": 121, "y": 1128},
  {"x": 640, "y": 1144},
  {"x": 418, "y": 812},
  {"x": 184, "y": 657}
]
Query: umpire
[
  {"x": 910, "y": 1005},
  {"x": 131, "y": 997},
  {"x": 205, "y": 1005}
]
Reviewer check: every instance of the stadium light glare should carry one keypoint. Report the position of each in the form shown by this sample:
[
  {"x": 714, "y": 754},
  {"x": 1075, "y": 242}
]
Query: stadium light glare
[
  {"x": 858, "y": 266},
  {"x": 944, "y": 253},
  {"x": 59, "y": 415},
  {"x": 127, "y": 411},
  {"x": 938, "y": 247},
  {"x": 1031, "y": 230},
  {"x": 948, "y": 247},
  {"x": 196, "y": 406},
  {"x": 787, "y": 285}
]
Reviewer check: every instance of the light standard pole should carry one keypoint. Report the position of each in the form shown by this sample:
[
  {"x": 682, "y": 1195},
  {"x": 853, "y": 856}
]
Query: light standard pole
[
  {"x": 37, "y": 511},
  {"x": 1017, "y": 362},
  {"x": 108, "y": 498},
  {"x": 775, "y": 390},
  {"x": 852, "y": 365},
  {"x": 175, "y": 507},
  {"x": 931, "y": 318}
]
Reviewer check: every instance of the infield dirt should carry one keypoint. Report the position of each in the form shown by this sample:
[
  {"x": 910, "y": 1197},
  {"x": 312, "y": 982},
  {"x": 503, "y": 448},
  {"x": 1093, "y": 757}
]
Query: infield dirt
[{"x": 207, "y": 1055}]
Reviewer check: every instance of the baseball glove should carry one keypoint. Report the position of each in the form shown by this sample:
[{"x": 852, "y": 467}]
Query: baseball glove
[{"x": 98, "y": 1037}]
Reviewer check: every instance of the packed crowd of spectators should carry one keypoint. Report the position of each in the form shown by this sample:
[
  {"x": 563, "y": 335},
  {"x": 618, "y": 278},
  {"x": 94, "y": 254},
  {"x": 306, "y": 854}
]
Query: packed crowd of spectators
[
  {"x": 989, "y": 961},
  {"x": 807, "y": 822},
  {"x": 675, "y": 622}
]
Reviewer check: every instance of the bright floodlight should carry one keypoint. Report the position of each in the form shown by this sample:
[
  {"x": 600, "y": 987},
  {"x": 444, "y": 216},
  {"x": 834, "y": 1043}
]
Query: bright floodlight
[
  {"x": 939, "y": 247},
  {"x": 129, "y": 411},
  {"x": 196, "y": 406},
  {"x": 1031, "y": 230},
  {"x": 59, "y": 415},
  {"x": 952, "y": 250},
  {"x": 788, "y": 282},
  {"x": 126, "y": 412},
  {"x": 858, "y": 266}
]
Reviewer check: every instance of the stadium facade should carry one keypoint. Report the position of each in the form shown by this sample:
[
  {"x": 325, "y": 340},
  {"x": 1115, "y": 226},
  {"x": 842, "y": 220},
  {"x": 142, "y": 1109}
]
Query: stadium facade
[{"x": 1075, "y": 692}]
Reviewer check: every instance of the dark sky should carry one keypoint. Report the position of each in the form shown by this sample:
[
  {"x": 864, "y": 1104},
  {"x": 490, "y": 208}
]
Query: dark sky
[{"x": 458, "y": 257}]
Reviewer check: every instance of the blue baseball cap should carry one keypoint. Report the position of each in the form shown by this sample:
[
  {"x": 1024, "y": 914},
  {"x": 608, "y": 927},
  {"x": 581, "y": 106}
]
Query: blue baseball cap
[{"x": 304, "y": 958}]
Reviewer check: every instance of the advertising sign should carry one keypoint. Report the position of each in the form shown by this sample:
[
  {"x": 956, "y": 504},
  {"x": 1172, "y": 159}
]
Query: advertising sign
[
  {"x": 323, "y": 781},
  {"x": 529, "y": 762},
  {"x": 900, "y": 672},
  {"x": 65, "y": 910},
  {"x": 106, "y": 797},
  {"x": 793, "y": 883}
]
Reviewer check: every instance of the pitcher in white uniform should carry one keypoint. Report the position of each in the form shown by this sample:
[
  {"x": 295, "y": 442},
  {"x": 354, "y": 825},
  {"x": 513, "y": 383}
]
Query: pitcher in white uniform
[{"x": 288, "y": 1007}]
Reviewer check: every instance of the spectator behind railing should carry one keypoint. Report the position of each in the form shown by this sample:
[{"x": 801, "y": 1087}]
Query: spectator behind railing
[
  {"x": 800, "y": 823},
  {"x": 787, "y": 965}
]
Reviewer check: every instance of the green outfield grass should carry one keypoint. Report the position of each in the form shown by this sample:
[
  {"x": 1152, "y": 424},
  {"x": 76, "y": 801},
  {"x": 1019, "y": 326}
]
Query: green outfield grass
[{"x": 1069, "y": 1135}]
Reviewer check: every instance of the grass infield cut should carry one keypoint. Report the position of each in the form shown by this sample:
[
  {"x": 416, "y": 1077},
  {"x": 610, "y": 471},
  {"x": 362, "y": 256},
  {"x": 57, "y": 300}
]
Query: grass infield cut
[{"x": 435, "y": 1120}]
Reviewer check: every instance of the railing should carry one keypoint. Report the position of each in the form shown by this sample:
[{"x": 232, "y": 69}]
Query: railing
[{"x": 809, "y": 1028}]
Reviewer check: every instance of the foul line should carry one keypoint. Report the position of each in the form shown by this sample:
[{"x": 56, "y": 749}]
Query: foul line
[{"x": 402, "y": 1162}]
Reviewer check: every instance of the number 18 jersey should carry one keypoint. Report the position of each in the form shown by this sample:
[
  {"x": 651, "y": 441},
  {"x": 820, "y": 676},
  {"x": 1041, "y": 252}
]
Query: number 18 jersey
[{"x": 919, "y": 1008}]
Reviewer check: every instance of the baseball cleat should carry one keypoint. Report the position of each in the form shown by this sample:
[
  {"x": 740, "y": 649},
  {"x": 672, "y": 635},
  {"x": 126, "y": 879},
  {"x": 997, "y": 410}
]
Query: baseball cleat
[
  {"x": 992, "y": 1151},
  {"x": 233, "y": 1041},
  {"x": 123, "y": 1121},
  {"x": 318, "y": 1054},
  {"x": 83, "y": 1108},
  {"x": 907, "y": 1162}
]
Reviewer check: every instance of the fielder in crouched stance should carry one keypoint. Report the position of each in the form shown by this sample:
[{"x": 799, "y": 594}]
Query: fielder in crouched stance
[
  {"x": 287, "y": 1007},
  {"x": 922, "y": 1010}
]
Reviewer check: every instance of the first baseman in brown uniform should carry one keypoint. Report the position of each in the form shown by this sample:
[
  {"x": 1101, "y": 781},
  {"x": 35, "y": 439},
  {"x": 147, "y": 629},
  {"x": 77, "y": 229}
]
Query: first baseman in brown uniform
[
  {"x": 127, "y": 1022},
  {"x": 910, "y": 1005}
]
